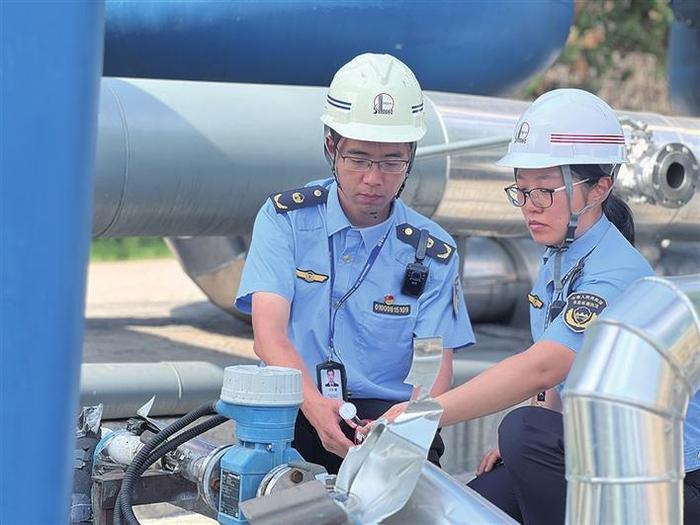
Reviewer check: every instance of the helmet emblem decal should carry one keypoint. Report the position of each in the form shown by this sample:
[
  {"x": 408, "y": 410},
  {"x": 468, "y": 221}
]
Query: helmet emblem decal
[
  {"x": 384, "y": 104},
  {"x": 523, "y": 132}
]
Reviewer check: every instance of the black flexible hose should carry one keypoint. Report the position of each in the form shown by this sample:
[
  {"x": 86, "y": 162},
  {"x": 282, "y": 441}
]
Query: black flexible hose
[
  {"x": 123, "y": 508},
  {"x": 161, "y": 451},
  {"x": 184, "y": 437}
]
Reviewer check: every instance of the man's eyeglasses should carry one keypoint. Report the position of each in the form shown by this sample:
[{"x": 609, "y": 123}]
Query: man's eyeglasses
[
  {"x": 540, "y": 197},
  {"x": 362, "y": 164}
]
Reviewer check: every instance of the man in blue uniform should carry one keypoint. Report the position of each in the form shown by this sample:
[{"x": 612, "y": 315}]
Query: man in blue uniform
[{"x": 341, "y": 275}]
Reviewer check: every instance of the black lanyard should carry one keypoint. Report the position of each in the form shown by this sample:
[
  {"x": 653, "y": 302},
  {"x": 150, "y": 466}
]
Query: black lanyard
[{"x": 333, "y": 308}]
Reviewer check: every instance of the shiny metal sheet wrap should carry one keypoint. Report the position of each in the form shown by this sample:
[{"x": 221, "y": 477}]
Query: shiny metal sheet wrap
[
  {"x": 660, "y": 185},
  {"x": 624, "y": 404},
  {"x": 181, "y": 158}
]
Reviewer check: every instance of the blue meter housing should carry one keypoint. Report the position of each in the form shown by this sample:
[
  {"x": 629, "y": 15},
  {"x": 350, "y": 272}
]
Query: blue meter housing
[{"x": 264, "y": 436}]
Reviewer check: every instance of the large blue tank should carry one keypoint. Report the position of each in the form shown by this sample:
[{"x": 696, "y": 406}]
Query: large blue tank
[
  {"x": 479, "y": 47},
  {"x": 684, "y": 57}
]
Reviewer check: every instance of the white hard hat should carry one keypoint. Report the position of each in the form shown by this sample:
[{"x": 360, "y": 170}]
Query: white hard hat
[
  {"x": 566, "y": 126},
  {"x": 375, "y": 98}
]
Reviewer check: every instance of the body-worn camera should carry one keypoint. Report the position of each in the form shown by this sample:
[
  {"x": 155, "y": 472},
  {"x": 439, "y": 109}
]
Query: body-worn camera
[
  {"x": 414, "y": 279},
  {"x": 416, "y": 274}
]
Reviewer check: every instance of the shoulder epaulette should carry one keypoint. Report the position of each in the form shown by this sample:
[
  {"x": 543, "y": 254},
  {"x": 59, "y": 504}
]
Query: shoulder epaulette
[
  {"x": 437, "y": 249},
  {"x": 299, "y": 198}
]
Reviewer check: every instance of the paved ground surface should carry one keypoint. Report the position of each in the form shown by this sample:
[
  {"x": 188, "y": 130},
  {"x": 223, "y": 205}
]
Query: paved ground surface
[{"x": 146, "y": 311}]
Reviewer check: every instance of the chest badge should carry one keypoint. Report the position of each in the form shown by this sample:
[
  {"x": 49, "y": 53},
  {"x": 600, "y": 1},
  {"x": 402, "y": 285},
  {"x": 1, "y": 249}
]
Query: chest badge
[
  {"x": 535, "y": 301},
  {"x": 389, "y": 308},
  {"x": 311, "y": 277},
  {"x": 582, "y": 309}
]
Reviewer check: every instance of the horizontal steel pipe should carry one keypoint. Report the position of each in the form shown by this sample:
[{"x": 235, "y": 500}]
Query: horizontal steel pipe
[
  {"x": 440, "y": 499},
  {"x": 194, "y": 158}
]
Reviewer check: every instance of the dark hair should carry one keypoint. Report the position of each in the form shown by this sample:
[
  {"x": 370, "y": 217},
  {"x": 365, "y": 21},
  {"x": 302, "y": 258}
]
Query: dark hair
[{"x": 614, "y": 208}]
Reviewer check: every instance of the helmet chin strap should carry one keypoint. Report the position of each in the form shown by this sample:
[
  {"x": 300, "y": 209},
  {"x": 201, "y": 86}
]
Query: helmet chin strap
[
  {"x": 594, "y": 204},
  {"x": 570, "y": 232},
  {"x": 571, "y": 227},
  {"x": 414, "y": 147},
  {"x": 334, "y": 158},
  {"x": 573, "y": 216}
]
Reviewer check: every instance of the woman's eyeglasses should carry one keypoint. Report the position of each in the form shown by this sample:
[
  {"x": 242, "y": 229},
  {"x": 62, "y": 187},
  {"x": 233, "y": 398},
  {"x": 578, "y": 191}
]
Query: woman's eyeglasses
[{"x": 540, "y": 197}]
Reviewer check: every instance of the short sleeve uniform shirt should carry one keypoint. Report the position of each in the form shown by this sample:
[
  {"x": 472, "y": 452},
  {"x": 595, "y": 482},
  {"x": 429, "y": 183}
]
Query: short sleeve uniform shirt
[
  {"x": 611, "y": 264},
  {"x": 290, "y": 256}
]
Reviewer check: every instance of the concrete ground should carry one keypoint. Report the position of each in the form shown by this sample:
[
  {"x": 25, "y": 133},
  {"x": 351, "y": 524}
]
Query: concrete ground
[{"x": 149, "y": 311}]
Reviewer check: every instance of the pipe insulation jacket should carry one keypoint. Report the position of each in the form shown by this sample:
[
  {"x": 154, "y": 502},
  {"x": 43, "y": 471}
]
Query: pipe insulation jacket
[{"x": 624, "y": 404}]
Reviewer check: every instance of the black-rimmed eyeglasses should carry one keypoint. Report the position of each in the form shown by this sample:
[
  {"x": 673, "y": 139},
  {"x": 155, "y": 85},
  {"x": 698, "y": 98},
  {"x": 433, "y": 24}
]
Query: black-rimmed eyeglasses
[
  {"x": 540, "y": 197},
  {"x": 362, "y": 164}
]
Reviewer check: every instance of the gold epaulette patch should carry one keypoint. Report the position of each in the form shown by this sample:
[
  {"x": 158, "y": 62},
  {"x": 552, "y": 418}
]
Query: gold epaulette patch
[
  {"x": 299, "y": 198},
  {"x": 437, "y": 249}
]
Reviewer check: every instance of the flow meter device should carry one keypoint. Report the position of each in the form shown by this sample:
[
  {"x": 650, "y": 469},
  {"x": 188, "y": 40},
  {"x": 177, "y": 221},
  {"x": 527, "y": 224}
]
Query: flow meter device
[{"x": 263, "y": 402}]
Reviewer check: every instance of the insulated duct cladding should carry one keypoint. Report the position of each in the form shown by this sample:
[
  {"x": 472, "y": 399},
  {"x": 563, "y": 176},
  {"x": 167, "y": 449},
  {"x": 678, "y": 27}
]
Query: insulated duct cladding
[{"x": 195, "y": 161}]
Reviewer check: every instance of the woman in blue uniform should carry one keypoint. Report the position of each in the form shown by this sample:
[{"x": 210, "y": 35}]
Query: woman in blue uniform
[{"x": 565, "y": 152}]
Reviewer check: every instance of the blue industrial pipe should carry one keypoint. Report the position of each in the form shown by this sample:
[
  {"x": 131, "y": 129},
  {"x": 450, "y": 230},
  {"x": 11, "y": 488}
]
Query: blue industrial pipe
[
  {"x": 479, "y": 47},
  {"x": 684, "y": 57},
  {"x": 49, "y": 78}
]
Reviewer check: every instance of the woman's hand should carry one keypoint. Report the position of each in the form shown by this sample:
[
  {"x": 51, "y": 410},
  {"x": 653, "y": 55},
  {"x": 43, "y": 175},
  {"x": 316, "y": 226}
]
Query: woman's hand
[
  {"x": 390, "y": 415},
  {"x": 489, "y": 460}
]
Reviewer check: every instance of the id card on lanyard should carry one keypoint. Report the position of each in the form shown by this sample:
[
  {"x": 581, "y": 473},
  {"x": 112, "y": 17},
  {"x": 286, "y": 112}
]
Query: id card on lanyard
[{"x": 331, "y": 376}]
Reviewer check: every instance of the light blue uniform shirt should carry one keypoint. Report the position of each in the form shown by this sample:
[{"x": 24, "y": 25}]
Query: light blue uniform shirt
[
  {"x": 376, "y": 348},
  {"x": 611, "y": 265}
]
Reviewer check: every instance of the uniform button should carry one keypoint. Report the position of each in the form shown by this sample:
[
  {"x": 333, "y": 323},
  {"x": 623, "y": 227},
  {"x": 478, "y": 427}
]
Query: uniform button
[
  {"x": 698, "y": 455},
  {"x": 347, "y": 258}
]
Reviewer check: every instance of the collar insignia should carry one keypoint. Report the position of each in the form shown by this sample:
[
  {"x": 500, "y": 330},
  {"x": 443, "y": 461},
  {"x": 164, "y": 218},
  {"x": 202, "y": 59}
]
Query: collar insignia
[{"x": 535, "y": 301}]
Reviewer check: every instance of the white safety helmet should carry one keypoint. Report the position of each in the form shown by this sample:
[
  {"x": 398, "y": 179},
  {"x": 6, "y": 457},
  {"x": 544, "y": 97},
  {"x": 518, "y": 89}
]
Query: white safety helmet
[
  {"x": 375, "y": 98},
  {"x": 566, "y": 126}
]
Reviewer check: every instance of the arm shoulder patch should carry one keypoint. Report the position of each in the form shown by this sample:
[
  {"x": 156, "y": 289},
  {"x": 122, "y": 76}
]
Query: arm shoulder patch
[
  {"x": 299, "y": 198},
  {"x": 438, "y": 249},
  {"x": 582, "y": 308}
]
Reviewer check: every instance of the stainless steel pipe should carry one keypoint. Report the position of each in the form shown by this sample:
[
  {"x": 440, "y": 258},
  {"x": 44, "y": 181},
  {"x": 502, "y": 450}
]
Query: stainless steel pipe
[
  {"x": 439, "y": 499},
  {"x": 196, "y": 158},
  {"x": 624, "y": 404}
]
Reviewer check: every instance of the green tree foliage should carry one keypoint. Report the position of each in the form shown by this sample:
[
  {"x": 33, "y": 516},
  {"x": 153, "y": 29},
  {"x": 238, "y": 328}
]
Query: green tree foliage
[
  {"x": 128, "y": 248},
  {"x": 605, "y": 31}
]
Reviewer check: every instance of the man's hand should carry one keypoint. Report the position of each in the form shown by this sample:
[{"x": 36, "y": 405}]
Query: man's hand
[
  {"x": 489, "y": 461},
  {"x": 323, "y": 415}
]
